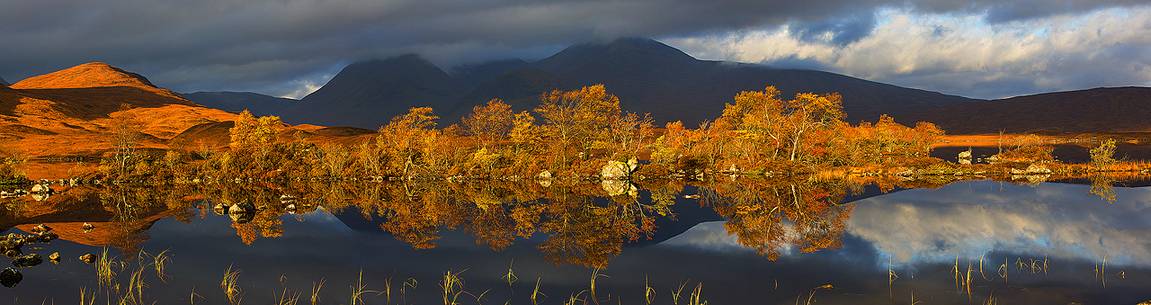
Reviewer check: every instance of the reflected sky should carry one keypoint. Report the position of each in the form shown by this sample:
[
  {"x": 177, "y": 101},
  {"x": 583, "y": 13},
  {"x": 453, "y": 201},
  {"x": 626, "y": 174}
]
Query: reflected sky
[{"x": 972, "y": 219}]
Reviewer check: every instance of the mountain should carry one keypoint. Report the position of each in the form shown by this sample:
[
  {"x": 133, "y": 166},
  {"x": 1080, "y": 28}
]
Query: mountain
[
  {"x": 368, "y": 94},
  {"x": 3, "y": 83},
  {"x": 71, "y": 111},
  {"x": 258, "y": 104},
  {"x": 1121, "y": 109},
  {"x": 647, "y": 75}
]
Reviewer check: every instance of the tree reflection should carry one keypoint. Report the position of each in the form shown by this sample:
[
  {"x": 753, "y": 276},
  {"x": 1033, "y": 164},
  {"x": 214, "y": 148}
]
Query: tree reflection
[{"x": 578, "y": 223}]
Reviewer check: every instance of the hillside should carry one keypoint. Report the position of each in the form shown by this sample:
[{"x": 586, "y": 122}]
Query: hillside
[
  {"x": 258, "y": 104},
  {"x": 71, "y": 112},
  {"x": 1121, "y": 109},
  {"x": 649, "y": 77}
]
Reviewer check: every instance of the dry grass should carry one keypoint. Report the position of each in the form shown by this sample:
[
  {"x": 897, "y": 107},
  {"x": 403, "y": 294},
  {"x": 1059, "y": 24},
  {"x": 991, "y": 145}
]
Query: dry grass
[
  {"x": 105, "y": 271},
  {"x": 230, "y": 285}
]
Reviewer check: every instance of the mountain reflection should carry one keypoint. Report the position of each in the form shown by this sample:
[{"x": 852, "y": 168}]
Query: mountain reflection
[{"x": 589, "y": 224}]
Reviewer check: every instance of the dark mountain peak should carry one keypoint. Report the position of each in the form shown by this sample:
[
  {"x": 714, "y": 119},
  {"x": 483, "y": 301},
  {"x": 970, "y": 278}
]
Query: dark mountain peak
[
  {"x": 366, "y": 93},
  {"x": 474, "y": 74},
  {"x": 407, "y": 63},
  {"x": 619, "y": 51},
  {"x": 400, "y": 73}
]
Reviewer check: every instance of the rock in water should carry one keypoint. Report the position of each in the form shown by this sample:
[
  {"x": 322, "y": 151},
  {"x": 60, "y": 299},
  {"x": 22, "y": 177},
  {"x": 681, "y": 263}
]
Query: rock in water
[
  {"x": 27, "y": 260},
  {"x": 88, "y": 258},
  {"x": 54, "y": 257},
  {"x": 10, "y": 277},
  {"x": 242, "y": 212}
]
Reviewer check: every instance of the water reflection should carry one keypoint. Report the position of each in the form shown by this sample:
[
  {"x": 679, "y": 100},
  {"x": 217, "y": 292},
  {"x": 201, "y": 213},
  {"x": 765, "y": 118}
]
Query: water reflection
[{"x": 743, "y": 235}]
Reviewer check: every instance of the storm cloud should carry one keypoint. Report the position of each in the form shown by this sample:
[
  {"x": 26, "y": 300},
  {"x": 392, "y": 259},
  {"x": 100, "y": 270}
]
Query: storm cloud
[{"x": 288, "y": 47}]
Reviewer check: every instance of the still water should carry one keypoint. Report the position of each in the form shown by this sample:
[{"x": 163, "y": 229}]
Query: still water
[{"x": 962, "y": 243}]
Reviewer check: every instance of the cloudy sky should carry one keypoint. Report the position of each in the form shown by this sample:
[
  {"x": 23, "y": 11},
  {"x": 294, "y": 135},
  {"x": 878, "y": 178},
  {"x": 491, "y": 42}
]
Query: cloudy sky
[{"x": 980, "y": 48}]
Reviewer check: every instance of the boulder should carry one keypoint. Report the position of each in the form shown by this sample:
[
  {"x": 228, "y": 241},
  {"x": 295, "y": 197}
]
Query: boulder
[
  {"x": 242, "y": 212},
  {"x": 619, "y": 187},
  {"x": 88, "y": 258},
  {"x": 1033, "y": 169},
  {"x": 41, "y": 188},
  {"x": 965, "y": 157},
  {"x": 10, "y": 277},
  {"x": 27, "y": 260},
  {"x": 616, "y": 170}
]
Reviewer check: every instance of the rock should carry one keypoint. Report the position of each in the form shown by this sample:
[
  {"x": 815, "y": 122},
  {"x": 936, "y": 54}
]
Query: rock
[
  {"x": 27, "y": 260},
  {"x": 10, "y": 277},
  {"x": 965, "y": 156},
  {"x": 1033, "y": 169},
  {"x": 39, "y": 197},
  {"x": 691, "y": 196},
  {"x": 88, "y": 258},
  {"x": 54, "y": 257},
  {"x": 242, "y": 212},
  {"x": 41, "y": 188},
  {"x": 619, "y": 187},
  {"x": 220, "y": 209},
  {"x": 545, "y": 174},
  {"x": 41, "y": 228},
  {"x": 616, "y": 170},
  {"x": 45, "y": 237},
  {"x": 88, "y": 227},
  {"x": 12, "y": 241}
]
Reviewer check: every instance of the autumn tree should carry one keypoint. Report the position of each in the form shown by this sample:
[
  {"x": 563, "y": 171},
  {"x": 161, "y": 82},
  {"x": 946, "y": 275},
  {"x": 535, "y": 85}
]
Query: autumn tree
[
  {"x": 575, "y": 119},
  {"x": 489, "y": 122},
  {"x": 254, "y": 133},
  {"x": 407, "y": 136},
  {"x": 125, "y": 137},
  {"x": 1103, "y": 154}
]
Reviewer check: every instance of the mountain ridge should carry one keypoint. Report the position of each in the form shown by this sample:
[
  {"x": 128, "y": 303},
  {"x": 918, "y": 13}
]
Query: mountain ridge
[{"x": 647, "y": 75}]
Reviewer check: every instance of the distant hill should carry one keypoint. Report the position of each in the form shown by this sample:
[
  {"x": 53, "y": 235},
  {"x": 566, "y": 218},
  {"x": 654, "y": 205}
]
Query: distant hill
[
  {"x": 1121, "y": 109},
  {"x": 649, "y": 77},
  {"x": 3, "y": 82},
  {"x": 368, "y": 94},
  {"x": 71, "y": 111},
  {"x": 258, "y": 104}
]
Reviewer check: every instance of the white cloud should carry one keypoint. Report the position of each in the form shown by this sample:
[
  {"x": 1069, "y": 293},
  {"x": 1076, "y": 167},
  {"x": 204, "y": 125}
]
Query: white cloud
[{"x": 963, "y": 54}]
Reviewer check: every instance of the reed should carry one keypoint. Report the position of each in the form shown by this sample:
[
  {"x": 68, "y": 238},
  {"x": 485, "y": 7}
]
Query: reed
[
  {"x": 510, "y": 276},
  {"x": 536, "y": 293},
  {"x": 452, "y": 286},
  {"x": 87, "y": 298},
  {"x": 230, "y": 285},
  {"x": 105, "y": 274},
  {"x": 677, "y": 293},
  {"x": 595, "y": 274},
  {"x": 159, "y": 264},
  {"x": 359, "y": 290},
  {"x": 287, "y": 298},
  {"x": 648, "y": 291},
  {"x": 811, "y": 296},
  {"x": 316, "y": 288},
  {"x": 696, "y": 297}
]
